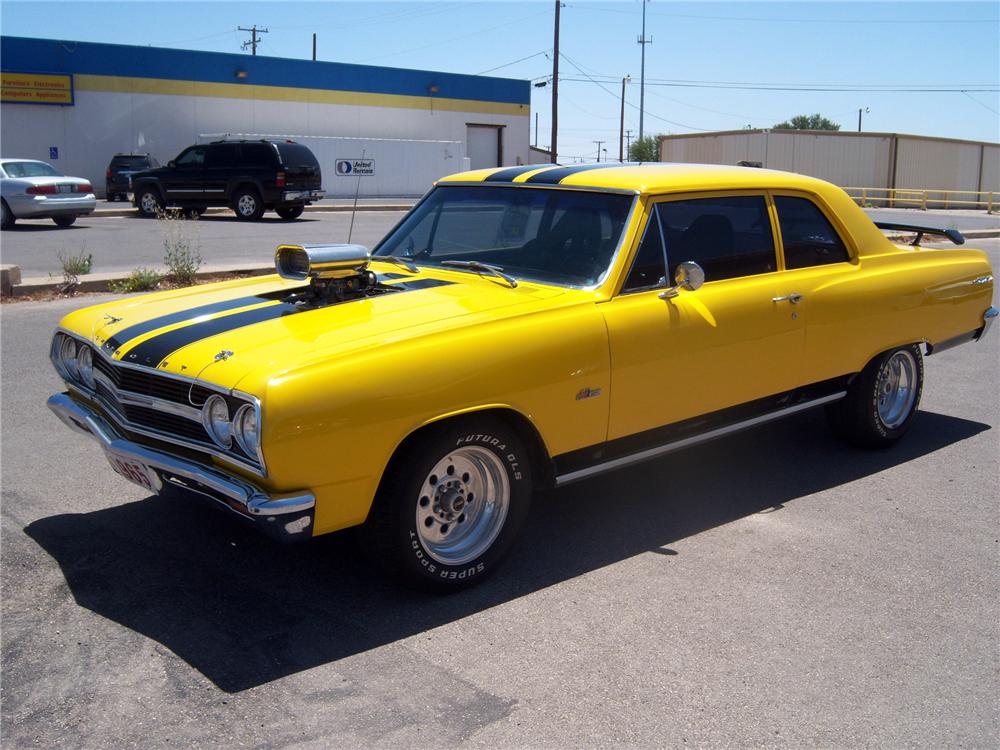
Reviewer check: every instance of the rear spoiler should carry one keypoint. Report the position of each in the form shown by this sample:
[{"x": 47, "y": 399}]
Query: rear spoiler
[{"x": 952, "y": 234}]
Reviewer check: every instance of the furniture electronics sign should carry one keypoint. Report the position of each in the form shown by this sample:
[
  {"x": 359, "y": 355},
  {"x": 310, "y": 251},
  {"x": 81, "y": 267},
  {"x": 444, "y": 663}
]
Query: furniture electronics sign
[
  {"x": 36, "y": 88},
  {"x": 356, "y": 167}
]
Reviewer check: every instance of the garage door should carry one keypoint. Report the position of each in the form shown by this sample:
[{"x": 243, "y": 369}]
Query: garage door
[{"x": 483, "y": 145}]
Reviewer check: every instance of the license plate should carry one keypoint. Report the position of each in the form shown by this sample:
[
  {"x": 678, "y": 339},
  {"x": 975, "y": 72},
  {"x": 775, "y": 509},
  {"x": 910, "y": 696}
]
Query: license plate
[
  {"x": 134, "y": 471},
  {"x": 65, "y": 188}
]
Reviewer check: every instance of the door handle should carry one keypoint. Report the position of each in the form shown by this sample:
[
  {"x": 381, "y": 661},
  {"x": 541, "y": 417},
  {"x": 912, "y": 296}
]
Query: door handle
[{"x": 794, "y": 298}]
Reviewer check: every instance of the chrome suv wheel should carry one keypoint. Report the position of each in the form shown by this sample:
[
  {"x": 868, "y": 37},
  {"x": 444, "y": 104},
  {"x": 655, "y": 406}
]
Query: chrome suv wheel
[{"x": 248, "y": 205}]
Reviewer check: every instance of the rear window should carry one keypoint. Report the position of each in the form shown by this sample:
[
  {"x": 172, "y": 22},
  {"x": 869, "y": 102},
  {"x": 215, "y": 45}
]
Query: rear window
[
  {"x": 296, "y": 155},
  {"x": 129, "y": 162},
  {"x": 30, "y": 169}
]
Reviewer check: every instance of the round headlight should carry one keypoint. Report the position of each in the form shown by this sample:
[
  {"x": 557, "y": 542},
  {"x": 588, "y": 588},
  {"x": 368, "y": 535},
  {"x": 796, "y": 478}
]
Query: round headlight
[
  {"x": 85, "y": 365},
  {"x": 67, "y": 355},
  {"x": 215, "y": 417},
  {"x": 245, "y": 425}
]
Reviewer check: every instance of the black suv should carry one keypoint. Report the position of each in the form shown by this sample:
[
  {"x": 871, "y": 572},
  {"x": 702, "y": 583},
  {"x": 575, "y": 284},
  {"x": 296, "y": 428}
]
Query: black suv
[
  {"x": 248, "y": 176},
  {"x": 122, "y": 167}
]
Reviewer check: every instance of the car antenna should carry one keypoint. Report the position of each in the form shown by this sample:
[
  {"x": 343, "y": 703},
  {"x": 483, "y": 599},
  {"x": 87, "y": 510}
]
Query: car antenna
[{"x": 354, "y": 210}]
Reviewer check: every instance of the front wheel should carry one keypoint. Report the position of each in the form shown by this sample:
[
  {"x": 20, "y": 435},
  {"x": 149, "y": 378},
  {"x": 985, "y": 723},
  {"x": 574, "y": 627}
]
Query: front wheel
[
  {"x": 248, "y": 205},
  {"x": 64, "y": 221},
  {"x": 289, "y": 212},
  {"x": 882, "y": 401},
  {"x": 450, "y": 505},
  {"x": 149, "y": 203}
]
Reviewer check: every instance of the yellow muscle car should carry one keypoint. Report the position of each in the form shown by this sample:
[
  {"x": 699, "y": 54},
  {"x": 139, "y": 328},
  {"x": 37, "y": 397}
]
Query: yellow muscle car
[{"x": 520, "y": 328}]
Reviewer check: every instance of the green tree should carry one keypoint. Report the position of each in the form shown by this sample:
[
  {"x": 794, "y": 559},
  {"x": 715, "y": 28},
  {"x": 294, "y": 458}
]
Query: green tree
[
  {"x": 808, "y": 122},
  {"x": 645, "y": 149}
]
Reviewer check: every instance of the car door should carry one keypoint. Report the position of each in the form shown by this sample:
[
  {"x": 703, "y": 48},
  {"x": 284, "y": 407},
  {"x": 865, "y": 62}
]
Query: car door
[
  {"x": 221, "y": 161},
  {"x": 836, "y": 302},
  {"x": 182, "y": 180},
  {"x": 730, "y": 342}
]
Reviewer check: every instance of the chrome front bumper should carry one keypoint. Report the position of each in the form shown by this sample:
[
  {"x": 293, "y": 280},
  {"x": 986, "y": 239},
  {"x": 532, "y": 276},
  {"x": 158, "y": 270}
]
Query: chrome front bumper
[
  {"x": 988, "y": 317},
  {"x": 303, "y": 195},
  {"x": 286, "y": 517}
]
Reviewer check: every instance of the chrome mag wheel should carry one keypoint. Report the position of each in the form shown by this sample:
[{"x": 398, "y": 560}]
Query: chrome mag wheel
[
  {"x": 150, "y": 205},
  {"x": 896, "y": 388},
  {"x": 246, "y": 205},
  {"x": 462, "y": 505}
]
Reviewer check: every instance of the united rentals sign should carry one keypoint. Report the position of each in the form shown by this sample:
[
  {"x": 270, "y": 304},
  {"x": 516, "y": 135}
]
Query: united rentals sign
[
  {"x": 36, "y": 88},
  {"x": 355, "y": 167}
]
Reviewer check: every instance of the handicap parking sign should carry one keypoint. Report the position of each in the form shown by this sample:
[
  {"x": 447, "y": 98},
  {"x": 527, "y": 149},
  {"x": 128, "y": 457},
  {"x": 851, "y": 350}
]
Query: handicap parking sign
[{"x": 53, "y": 152}]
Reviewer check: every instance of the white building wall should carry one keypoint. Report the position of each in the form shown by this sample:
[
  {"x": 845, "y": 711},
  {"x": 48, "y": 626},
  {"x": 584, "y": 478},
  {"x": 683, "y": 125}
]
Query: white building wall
[{"x": 101, "y": 123}]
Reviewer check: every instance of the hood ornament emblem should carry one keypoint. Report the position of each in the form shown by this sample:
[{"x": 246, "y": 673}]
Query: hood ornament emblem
[
  {"x": 223, "y": 355},
  {"x": 111, "y": 319}
]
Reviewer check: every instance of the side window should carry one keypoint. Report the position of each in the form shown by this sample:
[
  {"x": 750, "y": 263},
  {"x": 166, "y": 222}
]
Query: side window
[
  {"x": 259, "y": 154},
  {"x": 222, "y": 155},
  {"x": 807, "y": 236},
  {"x": 649, "y": 269},
  {"x": 193, "y": 157},
  {"x": 727, "y": 236}
]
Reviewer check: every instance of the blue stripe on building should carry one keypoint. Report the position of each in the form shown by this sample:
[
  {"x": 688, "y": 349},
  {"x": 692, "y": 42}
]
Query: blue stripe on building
[{"x": 56, "y": 56}]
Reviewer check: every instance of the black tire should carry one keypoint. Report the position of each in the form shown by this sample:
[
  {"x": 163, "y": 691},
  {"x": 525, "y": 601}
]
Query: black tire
[
  {"x": 111, "y": 197},
  {"x": 248, "y": 204},
  {"x": 149, "y": 202},
  {"x": 7, "y": 217},
  {"x": 392, "y": 536},
  {"x": 876, "y": 413},
  {"x": 64, "y": 221},
  {"x": 288, "y": 213}
]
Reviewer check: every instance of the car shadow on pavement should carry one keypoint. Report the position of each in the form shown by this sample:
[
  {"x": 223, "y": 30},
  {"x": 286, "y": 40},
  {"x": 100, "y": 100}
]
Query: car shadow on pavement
[
  {"x": 245, "y": 611},
  {"x": 50, "y": 226}
]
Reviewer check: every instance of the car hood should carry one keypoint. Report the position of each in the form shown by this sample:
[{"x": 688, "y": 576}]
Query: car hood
[{"x": 222, "y": 333}]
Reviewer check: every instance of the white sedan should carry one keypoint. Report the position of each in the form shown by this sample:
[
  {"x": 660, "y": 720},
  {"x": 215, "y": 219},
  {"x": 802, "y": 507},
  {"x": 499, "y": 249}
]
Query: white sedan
[{"x": 35, "y": 190}]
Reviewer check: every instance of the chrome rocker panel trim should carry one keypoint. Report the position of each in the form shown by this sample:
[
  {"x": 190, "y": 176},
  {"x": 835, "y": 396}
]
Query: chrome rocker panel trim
[{"x": 286, "y": 518}]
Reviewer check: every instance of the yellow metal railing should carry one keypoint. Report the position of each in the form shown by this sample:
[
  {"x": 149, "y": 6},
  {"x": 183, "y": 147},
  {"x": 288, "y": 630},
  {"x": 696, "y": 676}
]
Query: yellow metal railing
[{"x": 909, "y": 197}]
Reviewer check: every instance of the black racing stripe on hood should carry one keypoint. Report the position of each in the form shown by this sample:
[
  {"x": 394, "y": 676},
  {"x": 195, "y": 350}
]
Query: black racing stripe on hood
[
  {"x": 508, "y": 175},
  {"x": 125, "y": 335},
  {"x": 154, "y": 350},
  {"x": 555, "y": 176}
]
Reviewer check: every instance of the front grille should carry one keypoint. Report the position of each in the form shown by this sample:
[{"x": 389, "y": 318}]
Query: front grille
[{"x": 153, "y": 384}]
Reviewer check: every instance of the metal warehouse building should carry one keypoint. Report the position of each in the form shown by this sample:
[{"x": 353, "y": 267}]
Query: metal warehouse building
[
  {"x": 881, "y": 168},
  {"x": 75, "y": 104}
]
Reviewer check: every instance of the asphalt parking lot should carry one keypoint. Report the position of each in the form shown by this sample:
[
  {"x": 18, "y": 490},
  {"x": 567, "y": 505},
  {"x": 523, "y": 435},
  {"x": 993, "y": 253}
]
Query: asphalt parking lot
[
  {"x": 122, "y": 243},
  {"x": 774, "y": 588}
]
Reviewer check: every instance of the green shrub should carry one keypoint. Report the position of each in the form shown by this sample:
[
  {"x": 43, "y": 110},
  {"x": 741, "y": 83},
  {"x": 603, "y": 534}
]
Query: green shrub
[
  {"x": 74, "y": 266},
  {"x": 140, "y": 280},
  {"x": 182, "y": 253}
]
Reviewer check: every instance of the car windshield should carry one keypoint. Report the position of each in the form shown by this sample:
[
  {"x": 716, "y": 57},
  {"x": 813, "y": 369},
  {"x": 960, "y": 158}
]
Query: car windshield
[
  {"x": 29, "y": 169},
  {"x": 555, "y": 236}
]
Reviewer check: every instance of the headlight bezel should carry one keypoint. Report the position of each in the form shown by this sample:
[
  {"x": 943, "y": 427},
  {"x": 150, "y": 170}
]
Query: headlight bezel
[
  {"x": 66, "y": 361},
  {"x": 249, "y": 445},
  {"x": 224, "y": 439},
  {"x": 85, "y": 370}
]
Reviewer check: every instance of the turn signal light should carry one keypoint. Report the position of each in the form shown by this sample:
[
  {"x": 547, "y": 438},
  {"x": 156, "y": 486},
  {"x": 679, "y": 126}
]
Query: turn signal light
[
  {"x": 42, "y": 190},
  {"x": 279, "y": 179}
]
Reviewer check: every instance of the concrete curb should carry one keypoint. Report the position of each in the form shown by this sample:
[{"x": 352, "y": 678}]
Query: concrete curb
[
  {"x": 110, "y": 213},
  {"x": 100, "y": 282}
]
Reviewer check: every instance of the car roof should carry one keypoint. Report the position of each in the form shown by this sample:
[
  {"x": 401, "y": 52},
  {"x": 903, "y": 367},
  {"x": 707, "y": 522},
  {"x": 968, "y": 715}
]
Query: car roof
[
  {"x": 651, "y": 178},
  {"x": 5, "y": 160}
]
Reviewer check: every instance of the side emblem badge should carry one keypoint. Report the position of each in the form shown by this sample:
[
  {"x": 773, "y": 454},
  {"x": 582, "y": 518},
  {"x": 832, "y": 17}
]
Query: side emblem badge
[{"x": 588, "y": 393}]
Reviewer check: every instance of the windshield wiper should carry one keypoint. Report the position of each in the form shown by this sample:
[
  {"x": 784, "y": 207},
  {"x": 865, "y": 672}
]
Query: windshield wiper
[
  {"x": 398, "y": 261},
  {"x": 475, "y": 265}
]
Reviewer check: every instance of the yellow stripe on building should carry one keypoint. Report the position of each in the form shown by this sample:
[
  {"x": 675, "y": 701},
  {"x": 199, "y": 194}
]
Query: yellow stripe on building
[{"x": 129, "y": 85}]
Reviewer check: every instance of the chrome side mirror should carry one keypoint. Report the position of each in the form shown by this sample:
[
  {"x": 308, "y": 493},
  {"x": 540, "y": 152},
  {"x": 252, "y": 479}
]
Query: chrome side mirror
[{"x": 689, "y": 275}]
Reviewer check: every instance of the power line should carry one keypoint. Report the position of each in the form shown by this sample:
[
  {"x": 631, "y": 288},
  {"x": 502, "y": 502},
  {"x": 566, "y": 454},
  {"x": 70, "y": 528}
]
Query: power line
[
  {"x": 916, "y": 89},
  {"x": 752, "y": 19},
  {"x": 513, "y": 62},
  {"x": 981, "y": 103}
]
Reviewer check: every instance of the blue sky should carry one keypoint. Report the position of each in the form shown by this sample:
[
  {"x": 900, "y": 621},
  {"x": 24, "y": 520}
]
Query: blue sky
[{"x": 697, "y": 49}]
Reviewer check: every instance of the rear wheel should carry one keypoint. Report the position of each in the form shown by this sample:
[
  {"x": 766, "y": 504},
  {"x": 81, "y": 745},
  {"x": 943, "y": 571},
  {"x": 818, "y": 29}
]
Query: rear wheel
[
  {"x": 6, "y": 217},
  {"x": 248, "y": 205},
  {"x": 149, "y": 203},
  {"x": 64, "y": 221},
  {"x": 451, "y": 504},
  {"x": 289, "y": 212},
  {"x": 882, "y": 401}
]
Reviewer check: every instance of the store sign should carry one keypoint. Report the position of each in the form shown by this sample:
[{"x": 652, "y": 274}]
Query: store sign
[
  {"x": 36, "y": 88},
  {"x": 358, "y": 167}
]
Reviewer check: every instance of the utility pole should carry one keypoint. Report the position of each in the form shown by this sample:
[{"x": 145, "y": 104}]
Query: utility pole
[
  {"x": 859, "y": 117},
  {"x": 643, "y": 41},
  {"x": 628, "y": 142},
  {"x": 314, "y": 46},
  {"x": 621, "y": 129},
  {"x": 555, "y": 86},
  {"x": 599, "y": 144},
  {"x": 252, "y": 41}
]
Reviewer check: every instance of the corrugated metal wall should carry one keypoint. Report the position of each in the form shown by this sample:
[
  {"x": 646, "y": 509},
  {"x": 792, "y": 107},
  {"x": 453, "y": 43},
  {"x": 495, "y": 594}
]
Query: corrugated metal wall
[{"x": 850, "y": 159}]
